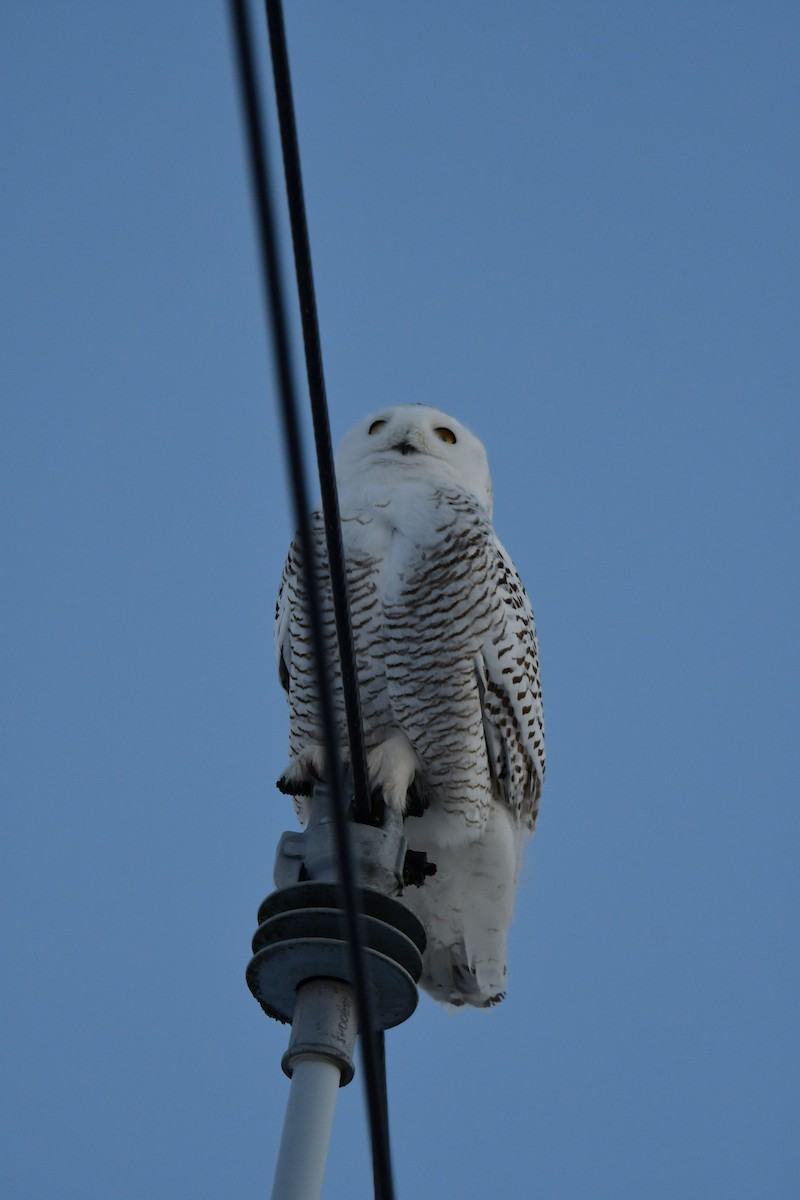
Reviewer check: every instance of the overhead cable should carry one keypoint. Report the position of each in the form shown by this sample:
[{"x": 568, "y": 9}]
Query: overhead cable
[
  {"x": 319, "y": 405},
  {"x": 279, "y": 328}
]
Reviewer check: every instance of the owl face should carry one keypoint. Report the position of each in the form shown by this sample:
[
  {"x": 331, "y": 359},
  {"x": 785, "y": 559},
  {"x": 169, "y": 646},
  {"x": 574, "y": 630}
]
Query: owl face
[{"x": 421, "y": 442}]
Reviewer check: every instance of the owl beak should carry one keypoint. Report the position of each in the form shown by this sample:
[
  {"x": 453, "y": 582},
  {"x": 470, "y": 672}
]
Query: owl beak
[{"x": 405, "y": 447}]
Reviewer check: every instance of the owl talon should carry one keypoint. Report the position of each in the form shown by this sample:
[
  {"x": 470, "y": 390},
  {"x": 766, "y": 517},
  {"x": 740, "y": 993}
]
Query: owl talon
[
  {"x": 417, "y": 799},
  {"x": 304, "y": 771},
  {"x": 294, "y": 787}
]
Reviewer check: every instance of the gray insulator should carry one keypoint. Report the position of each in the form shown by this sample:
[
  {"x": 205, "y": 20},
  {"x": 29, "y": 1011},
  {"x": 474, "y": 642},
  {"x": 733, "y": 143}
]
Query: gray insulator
[{"x": 301, "y": 936}]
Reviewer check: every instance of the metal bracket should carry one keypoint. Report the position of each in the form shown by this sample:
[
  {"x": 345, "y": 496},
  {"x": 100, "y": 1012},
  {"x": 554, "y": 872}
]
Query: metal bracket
[{"x": 379, "y": 852}]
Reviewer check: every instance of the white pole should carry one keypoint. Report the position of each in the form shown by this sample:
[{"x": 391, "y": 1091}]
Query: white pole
[
  {"x": 319, "y": 1060},
  {"x": 306, "y": 1129}
]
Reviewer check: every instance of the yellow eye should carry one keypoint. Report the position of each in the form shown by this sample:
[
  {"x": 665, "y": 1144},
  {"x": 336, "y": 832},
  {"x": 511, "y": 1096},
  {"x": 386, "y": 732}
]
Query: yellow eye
[
  {"x": 446, "y": 435},
  {"x": 375, "y": 426}
]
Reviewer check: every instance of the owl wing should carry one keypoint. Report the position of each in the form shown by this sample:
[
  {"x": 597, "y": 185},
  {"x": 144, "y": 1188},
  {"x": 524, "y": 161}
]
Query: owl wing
[
  {"x": 291, "y": 585},
  {"x": 511, "y": 694},
  {"x": 293, "y": 640}
]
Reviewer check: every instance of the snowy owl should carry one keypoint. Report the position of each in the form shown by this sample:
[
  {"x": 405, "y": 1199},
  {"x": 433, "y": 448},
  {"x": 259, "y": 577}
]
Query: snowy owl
[{"x": 448, "y": 674}]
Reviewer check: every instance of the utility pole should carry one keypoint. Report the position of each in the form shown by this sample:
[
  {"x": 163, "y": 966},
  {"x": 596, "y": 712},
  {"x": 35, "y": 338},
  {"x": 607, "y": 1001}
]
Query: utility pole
[{"x": 300, "y": 973}]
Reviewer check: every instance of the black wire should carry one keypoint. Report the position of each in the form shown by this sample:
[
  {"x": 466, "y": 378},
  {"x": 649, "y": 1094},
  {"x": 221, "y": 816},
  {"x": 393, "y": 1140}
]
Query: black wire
[
  {"x": 330, "y": 499},
  {"x": 319, "y": 407},
  {"x": 272, "y": 278}
]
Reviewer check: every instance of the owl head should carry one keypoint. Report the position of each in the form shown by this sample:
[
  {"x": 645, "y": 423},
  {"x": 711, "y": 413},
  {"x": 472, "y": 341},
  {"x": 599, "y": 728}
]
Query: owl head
[{"x": 419, "y": 442}]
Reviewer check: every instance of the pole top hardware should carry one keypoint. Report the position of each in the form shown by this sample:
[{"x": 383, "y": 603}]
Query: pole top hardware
[
  {"x": 379, "y": 852},
  {"x": 301, "y": 933}
]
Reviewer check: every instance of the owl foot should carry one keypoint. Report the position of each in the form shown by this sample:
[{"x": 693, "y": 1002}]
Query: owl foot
[
  {"x": 393, "y": 766},
  {"x": 303, "y": 772}
]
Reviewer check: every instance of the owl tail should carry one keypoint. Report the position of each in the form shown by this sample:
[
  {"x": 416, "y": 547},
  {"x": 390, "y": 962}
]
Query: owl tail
[{"x": 467, "y": 908}]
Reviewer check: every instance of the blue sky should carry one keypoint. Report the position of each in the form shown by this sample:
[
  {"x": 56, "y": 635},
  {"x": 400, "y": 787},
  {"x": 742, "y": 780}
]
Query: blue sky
[{"x": 574, "y": 226}]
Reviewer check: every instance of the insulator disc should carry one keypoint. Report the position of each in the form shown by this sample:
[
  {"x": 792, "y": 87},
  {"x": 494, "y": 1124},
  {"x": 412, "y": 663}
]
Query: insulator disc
[
  {"x": 327, "y": 895},
  {"x": 275, "y": 973},
  {"x": 328, "y": 923}
]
